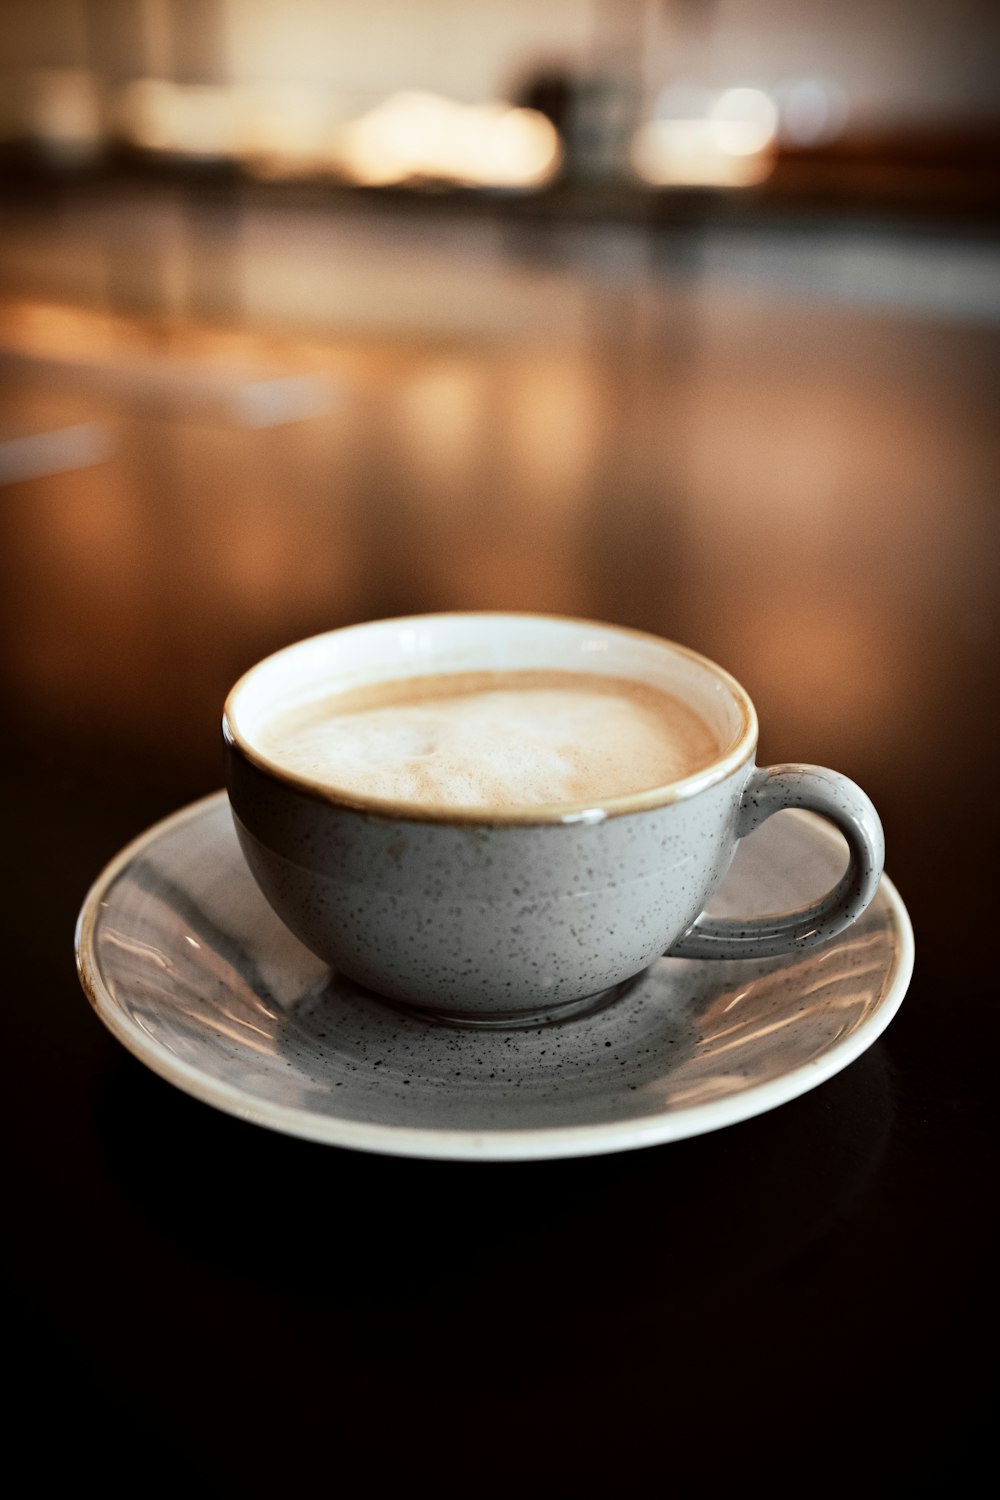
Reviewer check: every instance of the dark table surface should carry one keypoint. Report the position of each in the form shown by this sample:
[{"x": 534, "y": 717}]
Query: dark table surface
[{"x": 798, "y": 481}]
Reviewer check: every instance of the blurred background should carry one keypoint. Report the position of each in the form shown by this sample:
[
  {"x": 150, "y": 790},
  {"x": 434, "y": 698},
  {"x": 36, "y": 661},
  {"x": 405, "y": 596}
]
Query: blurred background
[{"x": 676, "y": 313}]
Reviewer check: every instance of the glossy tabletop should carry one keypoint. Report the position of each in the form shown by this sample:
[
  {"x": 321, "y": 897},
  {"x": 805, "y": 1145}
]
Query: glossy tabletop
[{"x": 212, "y": 450}]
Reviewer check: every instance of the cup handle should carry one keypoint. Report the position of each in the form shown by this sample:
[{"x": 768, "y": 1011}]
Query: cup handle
[{"x": 768, "y": 791}]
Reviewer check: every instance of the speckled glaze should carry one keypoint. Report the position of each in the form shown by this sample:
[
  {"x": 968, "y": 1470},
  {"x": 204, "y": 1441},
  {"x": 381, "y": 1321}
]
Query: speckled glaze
[
  {"x": 538, "y": 913},
  {"x": 189, "y": 967}
]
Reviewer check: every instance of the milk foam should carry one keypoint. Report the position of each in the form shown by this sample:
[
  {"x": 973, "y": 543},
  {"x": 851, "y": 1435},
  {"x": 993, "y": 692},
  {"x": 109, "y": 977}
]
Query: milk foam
[{"x": 493, "y": 740}]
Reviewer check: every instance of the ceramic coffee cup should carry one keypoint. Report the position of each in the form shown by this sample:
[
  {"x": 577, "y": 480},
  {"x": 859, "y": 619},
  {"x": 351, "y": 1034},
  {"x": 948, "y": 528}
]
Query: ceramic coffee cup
[{"x": 521, "y": 915}]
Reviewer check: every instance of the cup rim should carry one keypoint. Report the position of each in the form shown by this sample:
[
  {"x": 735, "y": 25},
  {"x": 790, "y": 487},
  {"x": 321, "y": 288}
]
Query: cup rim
[{"x": 720, "y": 769}]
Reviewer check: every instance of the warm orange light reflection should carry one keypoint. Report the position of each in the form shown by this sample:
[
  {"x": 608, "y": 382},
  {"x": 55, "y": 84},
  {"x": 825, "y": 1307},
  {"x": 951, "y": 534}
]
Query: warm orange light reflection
[
  {"x": 277, "y": 132},
  {"x": 284, "y": 131},
  {"x": 729, "y": 144},
  {"x": 197, "y": 120},
  {"x": 772, "y": 494},
  {"x": 418, "y": 135}
]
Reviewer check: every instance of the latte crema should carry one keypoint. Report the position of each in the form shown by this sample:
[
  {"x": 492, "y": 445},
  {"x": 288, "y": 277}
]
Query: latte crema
[{"x": 492, "y": 740}]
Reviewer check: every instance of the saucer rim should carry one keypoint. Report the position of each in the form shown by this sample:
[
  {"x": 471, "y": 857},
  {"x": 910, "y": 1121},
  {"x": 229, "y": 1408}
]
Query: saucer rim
[{"x": 448, "y": 1143}]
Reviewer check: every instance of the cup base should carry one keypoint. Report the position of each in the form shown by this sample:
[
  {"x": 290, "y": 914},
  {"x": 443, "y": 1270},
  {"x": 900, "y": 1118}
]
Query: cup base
[{"x": 515, "y": 1020}]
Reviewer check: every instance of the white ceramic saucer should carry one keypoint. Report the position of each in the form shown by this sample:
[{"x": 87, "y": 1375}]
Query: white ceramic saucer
[{"x": 186, "y": 964}]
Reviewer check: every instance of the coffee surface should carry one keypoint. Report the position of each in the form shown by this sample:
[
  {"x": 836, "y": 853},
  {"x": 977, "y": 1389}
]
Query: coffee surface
[{"x": 493, "y": 740}]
